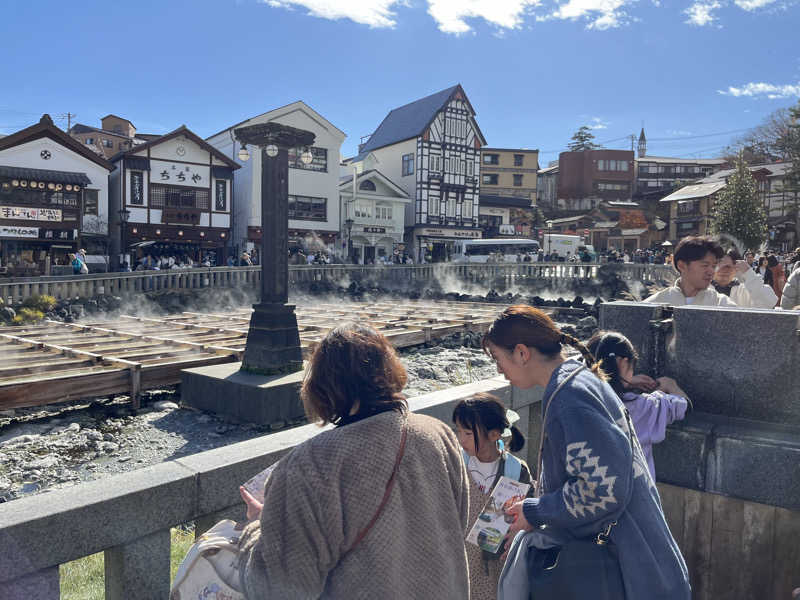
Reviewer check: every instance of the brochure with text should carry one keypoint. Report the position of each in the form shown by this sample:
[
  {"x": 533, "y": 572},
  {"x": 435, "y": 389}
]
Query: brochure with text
[
  {"x": 493, "y": 523},
  {"x": 255, "y": 485}
]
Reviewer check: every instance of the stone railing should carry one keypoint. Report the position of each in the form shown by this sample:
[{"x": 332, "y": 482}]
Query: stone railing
[
  {"x": 85, "y": 286},
  {"x": 129, "y": 516}
]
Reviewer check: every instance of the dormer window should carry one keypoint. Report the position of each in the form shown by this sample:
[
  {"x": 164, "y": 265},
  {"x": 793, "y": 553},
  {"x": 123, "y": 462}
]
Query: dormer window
[{"x": 367, "y": 186}]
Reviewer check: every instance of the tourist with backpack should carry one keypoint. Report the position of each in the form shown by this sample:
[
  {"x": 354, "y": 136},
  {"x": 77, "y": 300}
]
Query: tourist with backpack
[{"x": 485, "y": 429}]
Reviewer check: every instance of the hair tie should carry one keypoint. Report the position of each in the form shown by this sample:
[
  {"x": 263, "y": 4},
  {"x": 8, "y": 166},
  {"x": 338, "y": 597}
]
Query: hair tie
[
  {"x": 512, "y": 417},
  {"x": 612, "y": 355}
]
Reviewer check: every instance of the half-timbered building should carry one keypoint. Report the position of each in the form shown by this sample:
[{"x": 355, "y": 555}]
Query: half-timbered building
[{"x": 431, "y": 148}]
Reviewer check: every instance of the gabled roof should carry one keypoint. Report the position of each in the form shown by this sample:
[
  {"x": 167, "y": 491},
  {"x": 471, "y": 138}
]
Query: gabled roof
[
  {"x": 45, "y": 128},
  {"x": 345, "y": 183},
  {"x": 700, "y": 190},
  {"x": 185, "y": 131},
  {"x": 120, "y": 118},
  {"x": 682, "y": 161},
  {"x": 515, "y": 201},
  {"x": 770, "y": 169},
  {"x": 411, "y": 120},
  {"x": 278, "y": 112}
]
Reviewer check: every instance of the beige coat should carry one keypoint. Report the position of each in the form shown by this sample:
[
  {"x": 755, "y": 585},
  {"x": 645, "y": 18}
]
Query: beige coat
[{"x": 327, "y": 489}]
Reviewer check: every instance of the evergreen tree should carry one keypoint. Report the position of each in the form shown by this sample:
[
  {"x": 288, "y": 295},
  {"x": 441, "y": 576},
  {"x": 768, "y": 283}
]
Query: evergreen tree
[
  {"x": 792, "y": 181},
  {"x": 738, "y": 212},
  {"x": 582, "y": 140}
]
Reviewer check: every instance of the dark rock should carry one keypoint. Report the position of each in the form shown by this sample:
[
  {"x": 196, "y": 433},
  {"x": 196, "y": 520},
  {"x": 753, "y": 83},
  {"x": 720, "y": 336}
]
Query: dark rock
[{"x": 7, "y": 313}]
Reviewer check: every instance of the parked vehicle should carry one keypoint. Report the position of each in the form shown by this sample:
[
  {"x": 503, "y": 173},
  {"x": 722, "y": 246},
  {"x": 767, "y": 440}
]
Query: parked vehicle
[{"x": 495, "y": 250}]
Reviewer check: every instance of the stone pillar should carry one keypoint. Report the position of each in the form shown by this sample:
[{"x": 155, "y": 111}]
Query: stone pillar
[
  {"x": 42, "y": 585},
  {"x": 139, "y": 569}
]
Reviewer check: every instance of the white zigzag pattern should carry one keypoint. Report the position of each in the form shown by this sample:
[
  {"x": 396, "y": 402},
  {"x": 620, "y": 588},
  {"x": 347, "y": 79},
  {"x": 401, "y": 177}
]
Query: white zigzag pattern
[
  {"x": 593, "y": 490},
  {"x": 640, "y": 468}
]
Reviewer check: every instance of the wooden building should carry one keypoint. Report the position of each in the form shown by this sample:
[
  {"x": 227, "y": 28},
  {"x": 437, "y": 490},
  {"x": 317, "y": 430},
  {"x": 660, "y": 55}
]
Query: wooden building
[
  {"x": 178, "y": 191},
  {"x": 53, "y": 200}
]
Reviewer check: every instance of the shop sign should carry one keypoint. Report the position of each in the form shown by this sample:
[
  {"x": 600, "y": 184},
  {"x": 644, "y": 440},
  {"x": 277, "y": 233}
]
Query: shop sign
[
  {"x": 57, "y": 234},
  {"x": 162, "y": 171},
  {"x": 444, "y": 232},
  {"x": 374, "y": 229},
  {"x": 507, "y": 229},
  {"x": 182, "y": 216},
  {"x": 26, "y": 213},
  {"x": 19, "y": 232}
]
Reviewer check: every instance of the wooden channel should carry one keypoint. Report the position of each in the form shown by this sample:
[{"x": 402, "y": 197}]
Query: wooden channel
[{"x": 57, "y": 362}]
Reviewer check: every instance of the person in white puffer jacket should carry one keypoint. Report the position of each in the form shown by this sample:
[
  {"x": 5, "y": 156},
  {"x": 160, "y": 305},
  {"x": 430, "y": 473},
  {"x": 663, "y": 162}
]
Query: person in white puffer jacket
[{"x": 737, "y": 280}]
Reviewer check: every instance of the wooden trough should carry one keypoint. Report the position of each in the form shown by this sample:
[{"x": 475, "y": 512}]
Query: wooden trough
[{"x": 59, "y": 362}]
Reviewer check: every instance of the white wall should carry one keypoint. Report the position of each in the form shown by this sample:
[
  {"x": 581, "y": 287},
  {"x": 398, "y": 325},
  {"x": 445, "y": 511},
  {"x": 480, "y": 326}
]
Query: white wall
[
  {"x": 390, "y": 163},
  {"x": 28, "y": 155}
]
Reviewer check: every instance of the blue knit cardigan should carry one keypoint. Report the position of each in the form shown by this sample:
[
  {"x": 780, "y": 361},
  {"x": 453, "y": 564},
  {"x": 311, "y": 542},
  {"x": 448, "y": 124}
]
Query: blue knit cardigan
[{"x": 587, "y": 477}]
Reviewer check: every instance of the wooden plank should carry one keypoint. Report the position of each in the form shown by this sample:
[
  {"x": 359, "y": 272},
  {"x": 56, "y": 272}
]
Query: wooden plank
[
  {"x": 63, "y": 389},
  {"x": 727, "y": 551},
  {"x": 758, "y": 537},
  {"x": 698, "y": 513},
  {"x": 673, "y": 503},
  {"x": 786, "y": 553}
]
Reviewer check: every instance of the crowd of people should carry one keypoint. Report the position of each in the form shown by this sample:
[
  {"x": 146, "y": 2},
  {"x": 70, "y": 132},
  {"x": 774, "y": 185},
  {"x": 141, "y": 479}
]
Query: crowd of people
[
  {"x": 711, "y": 275},
  {"x": 385, "y": 490}
]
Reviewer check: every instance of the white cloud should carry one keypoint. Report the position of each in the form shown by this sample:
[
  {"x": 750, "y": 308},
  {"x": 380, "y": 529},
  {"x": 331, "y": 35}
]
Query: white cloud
[
  {"x": 451, "y": 15},
  {"x": 598, "y": 123},
  {"x": 753, "y": 4},
  {"x": 601, "y": 14},
  {"x": 769, "y": 90},
  {"x": 374, "y": 13},
  {"x": 702, "y": 13}
]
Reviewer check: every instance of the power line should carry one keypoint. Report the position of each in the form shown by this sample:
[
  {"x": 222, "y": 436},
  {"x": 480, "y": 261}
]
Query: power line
[{"x": 695, "y": 137}]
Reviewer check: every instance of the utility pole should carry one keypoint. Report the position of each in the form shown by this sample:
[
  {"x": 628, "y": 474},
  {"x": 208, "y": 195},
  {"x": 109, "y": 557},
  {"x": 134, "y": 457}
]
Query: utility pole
[
  {"x": 633, "y": 141},
  {"x": 68, "y": 116}
]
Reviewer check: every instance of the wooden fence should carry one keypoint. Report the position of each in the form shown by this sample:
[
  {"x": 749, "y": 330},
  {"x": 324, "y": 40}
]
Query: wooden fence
[{"x": 121, "y": 284}]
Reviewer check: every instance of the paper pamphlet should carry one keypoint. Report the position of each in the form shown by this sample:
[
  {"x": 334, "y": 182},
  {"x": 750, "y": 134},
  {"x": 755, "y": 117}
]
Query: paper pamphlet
[
  {"x": 493, "y": 523},
  {"x": 255, "y": 485}
]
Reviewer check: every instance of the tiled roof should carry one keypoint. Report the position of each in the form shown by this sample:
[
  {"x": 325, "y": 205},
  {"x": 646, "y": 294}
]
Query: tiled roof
[
  {"x": 407, "y": 121},
  {"x": 699, "y": 190},
  {"x": 45, "y": 175}
]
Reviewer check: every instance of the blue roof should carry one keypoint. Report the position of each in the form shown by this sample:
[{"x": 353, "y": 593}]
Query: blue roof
[{"x": 407, "y": 121}]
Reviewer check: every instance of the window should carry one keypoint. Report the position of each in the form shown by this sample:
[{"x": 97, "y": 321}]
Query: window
[
  {"x": 308, "y": 208},
  {"x": 367, "y": 186},
  {"x": 108, "y": 143},
  {"x": 470, "y": 168},
  {"x": 168, "y": 196},
  {"x": 610, "y": 187},
  {"x": 433, "y": 207},
  {"x": 517, "y": 180},
  {"x": 89, "y": 141},
  {"x": 518, "y": 158},
  {"x": 221, "y": 200},
  {"x": 491, "y": 159},
  {"x": 451, "y": 205},
  {"x": 435, "y": 163},
  {"x": 466, "y": 210},
  {"x": 612, "y": 165},
  {"x": 318, "y": 163},
  {"x": 90, "y": 202},
  {"x": 490, "y": 179},
  {"x": 383, "y": 212},
  {"x": 363, "y": 210},
  {"x": 408, "y": 164},
  {"x": 137, "y": 188}
]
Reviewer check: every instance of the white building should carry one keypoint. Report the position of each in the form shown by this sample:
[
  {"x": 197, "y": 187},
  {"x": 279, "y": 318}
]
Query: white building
[
  {"x": 373, "y": 216},
  {"x": 313, "y": 188},
  {"x": 431, "y": 149},
  {"x": 53, "y": 199},
  {"x": 177, "y": 189}
]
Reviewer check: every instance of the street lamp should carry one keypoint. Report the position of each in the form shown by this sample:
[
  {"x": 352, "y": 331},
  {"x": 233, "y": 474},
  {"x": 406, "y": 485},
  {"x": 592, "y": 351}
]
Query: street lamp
[
  {"x": 549, "y": 225},
  {"x": 273, "y": 340},
  {"x": 124, "y": 215},
  {"x": 349, "y": 226}
]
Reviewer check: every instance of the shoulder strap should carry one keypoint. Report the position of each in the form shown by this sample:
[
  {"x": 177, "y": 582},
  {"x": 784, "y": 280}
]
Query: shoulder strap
[
  {"x": 512, "y": 467},
  {"x": 389, "y": 485}
]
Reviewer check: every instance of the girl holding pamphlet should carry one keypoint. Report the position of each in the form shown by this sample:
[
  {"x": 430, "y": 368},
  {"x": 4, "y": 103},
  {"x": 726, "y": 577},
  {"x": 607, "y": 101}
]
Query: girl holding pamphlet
[{"x": 485, "y": 429}]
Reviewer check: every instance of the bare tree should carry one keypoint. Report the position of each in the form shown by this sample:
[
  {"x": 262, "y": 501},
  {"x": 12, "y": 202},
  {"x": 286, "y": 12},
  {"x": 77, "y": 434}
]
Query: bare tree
[{"x": 764, "y": 143}]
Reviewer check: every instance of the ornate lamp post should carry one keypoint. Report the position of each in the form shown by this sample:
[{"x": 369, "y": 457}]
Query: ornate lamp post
[
  {"x": 124, "y": 215},
  {"x": 349, "y": 226},
  {"x": 549, "y": 225},
  {"x": 273, "y": 341}
]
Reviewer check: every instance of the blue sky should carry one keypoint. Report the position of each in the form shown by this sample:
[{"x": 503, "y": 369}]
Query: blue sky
[{"x": 534, "y": 70}]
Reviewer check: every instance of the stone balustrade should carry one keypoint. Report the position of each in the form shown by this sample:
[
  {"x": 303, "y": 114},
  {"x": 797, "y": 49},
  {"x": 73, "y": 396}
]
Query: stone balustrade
[{"x": 121, "y": 284}]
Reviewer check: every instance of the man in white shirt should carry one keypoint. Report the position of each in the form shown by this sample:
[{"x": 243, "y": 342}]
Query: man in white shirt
[
  {"x": 735, "y": 279},
  {"x": 696, "y": 260}
]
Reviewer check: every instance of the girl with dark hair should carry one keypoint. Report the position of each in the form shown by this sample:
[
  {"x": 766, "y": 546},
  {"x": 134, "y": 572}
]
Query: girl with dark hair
[
  {"x": 484, "y": 428},
  {"x": 652, "y": 404},
  {"x": 375, "y": 507},
  {"x": 595, "y": 500}
]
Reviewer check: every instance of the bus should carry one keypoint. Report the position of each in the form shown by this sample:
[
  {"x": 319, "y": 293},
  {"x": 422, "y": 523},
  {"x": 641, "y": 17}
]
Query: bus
[{"x": 495, "y": 250}]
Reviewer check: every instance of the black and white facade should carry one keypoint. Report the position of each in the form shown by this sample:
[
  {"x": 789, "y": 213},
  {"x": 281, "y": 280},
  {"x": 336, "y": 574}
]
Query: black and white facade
[{"x": 431, "y": 148}]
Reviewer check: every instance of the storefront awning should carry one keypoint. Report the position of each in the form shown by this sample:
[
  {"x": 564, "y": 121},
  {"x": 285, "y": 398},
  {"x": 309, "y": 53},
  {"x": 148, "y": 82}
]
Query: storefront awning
[{"x": 45, "y": 175}]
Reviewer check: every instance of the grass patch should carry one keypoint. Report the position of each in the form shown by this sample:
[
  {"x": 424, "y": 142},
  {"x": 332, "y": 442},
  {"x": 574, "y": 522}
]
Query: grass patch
[{"x": 84, "y": 579}]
